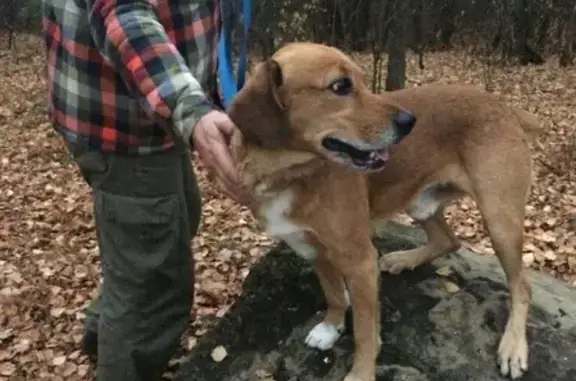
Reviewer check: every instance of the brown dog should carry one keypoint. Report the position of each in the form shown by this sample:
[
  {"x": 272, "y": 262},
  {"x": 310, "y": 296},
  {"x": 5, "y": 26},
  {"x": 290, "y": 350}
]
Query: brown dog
[{"x": 319, "y": 152}]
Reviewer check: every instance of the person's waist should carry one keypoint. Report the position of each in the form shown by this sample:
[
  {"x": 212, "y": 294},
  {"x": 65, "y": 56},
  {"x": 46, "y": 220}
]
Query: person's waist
[
  {"x": 106, "y": 121},
  {"x": 134, "y": 143}
]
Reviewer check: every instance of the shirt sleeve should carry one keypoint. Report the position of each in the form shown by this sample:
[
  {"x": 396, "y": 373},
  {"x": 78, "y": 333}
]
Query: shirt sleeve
[{"x": 130, "y": 36}]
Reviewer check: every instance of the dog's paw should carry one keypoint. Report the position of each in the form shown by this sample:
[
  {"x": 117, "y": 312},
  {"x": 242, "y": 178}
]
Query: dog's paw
[
  {"x": 323, "y": 336},
  {"x": 513, "y": 355},
  {"x": 354, "y": 377},
  {"x": 398, "y": 261}
]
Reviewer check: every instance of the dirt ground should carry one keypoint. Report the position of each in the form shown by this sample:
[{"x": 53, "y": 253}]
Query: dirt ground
[{"x": 49, "y": 266}]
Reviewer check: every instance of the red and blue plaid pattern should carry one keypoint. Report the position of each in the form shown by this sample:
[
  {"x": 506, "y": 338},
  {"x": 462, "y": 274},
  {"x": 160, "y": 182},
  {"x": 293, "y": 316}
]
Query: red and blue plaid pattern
[{"x": 123, "y": 73}]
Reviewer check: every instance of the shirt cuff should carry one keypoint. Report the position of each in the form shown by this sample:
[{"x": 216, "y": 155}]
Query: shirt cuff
[{"x": 187, "y": 115}]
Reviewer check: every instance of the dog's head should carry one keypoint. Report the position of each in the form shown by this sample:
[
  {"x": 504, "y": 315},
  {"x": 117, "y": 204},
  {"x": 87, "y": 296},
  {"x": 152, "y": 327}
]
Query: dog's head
[{"x": 312, "y": 97}]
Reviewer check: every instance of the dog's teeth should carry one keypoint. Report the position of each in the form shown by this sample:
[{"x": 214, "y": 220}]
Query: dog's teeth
[{"x": 384, "y": 154}]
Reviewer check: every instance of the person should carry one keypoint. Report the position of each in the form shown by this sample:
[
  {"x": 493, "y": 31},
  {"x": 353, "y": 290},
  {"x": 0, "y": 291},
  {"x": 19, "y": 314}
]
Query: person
[{"x": 132, "y": 88}]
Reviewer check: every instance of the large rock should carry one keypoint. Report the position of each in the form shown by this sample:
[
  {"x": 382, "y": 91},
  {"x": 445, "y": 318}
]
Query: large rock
[{"x": 430, "y": 332}]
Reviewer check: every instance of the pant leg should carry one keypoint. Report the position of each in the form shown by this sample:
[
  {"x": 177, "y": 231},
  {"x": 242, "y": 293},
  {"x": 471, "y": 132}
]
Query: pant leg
[
  {"x": 92, "y": 164},
  {"x": 92, "y": 313},
  {"x": 146, "y": 211}
]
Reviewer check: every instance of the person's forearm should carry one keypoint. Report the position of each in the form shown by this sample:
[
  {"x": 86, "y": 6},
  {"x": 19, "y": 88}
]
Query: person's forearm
[{"x": 130, "y": 36}]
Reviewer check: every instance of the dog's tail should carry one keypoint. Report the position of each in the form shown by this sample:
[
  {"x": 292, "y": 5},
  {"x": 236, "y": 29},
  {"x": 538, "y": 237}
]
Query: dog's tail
[{"x": 529, "y": 122}]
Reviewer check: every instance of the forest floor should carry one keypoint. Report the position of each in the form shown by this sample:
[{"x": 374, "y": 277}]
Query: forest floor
[{"x": 49, "y": 266}]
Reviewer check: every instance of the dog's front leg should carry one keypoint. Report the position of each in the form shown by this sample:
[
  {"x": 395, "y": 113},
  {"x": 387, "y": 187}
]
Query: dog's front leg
[
  {"x": 325, "y": 334},
  {"x": 361, "y": 274}
]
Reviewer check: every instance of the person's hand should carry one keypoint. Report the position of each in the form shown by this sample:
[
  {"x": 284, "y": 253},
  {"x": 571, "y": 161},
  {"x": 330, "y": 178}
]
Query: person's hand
[{"x": 211, "y": 139}]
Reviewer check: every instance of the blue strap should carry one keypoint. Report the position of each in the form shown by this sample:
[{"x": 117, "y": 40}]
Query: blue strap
[{"x": 228, "y": 83}]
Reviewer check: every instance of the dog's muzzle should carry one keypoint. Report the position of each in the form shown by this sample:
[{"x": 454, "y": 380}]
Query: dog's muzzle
[
  {"x": 372, "y": 155},
  {"x": 366, "y": 158}
]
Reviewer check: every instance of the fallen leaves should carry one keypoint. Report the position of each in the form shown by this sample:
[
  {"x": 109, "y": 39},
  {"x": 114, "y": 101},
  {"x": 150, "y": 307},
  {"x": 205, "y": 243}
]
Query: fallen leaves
[
  {"x": 191, "y": 343},
  {"x": 219, "y": 353},
  {"x": 264, "y": 375},
  {"x": 7, "y": 369},
  {"x": 49, "y": 265},
  {"x": 450, "y": 287},
  {"x": 528, "y": 259},
  {"x": 444, "y": 271},
  {"x": 60, "y": 360},
  {"x": 445, "y": 284}
]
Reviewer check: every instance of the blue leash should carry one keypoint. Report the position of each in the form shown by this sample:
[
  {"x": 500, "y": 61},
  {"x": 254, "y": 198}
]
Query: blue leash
[{"x": 225, "y": 68}]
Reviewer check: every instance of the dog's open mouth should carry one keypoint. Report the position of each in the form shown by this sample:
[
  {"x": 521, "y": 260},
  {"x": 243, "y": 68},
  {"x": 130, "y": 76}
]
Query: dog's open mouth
[{"x": 364, "y": 158}]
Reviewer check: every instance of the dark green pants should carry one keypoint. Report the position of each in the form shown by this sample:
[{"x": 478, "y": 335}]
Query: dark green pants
[{"x": 147, "y": 209}]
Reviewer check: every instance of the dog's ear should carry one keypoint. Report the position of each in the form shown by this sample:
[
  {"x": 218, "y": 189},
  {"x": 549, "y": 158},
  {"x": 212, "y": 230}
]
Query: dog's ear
[{"x": 259, "y": 109}]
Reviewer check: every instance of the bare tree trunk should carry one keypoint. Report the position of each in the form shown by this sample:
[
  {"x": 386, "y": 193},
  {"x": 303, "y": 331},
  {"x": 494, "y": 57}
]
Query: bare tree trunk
[
  {"x": 568, "y": 39},
  {"x": 397, "y": 45},
  {"x": 417, "y": 14},
  {"x": 262, "y": 34},
  {"x": 523, "y": 27},
  {"x": 12, "y": 13},
  {"x": 447, "y": 23},
  {"x": 378, "y": 22},
  {"x": 333, "y": 22},
  {"x": 542, "y": 32}
]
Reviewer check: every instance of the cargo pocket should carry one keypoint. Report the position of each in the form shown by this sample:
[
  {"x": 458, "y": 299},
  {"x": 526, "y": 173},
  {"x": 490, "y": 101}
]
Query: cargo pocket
[{"x": 139, "y": 235}]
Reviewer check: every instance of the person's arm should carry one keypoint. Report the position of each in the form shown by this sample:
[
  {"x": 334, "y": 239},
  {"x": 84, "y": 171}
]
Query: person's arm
[{"x": 130, "y": 36}]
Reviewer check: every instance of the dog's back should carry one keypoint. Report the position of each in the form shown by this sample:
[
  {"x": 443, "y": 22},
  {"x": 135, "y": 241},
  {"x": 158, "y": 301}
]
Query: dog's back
[
  {"x": 452, "y": 108},
  {"x": 460, "y": 129}
]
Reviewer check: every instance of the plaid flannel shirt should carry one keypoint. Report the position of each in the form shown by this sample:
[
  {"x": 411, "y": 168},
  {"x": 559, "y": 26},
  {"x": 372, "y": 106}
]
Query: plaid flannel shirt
[{"x": 123, "y": 74}]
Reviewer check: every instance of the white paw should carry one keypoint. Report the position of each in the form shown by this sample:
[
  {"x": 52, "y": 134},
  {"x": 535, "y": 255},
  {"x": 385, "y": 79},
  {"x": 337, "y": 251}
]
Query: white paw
[
  {"x": 323, "y": 336},
  {"x": 398, "y": 261},
  {"x": 513, "y": 355},
  {"x": 353, "y": 377}
]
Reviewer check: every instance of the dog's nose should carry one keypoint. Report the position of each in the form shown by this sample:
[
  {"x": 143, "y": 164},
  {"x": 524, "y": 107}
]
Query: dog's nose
[{"x": 404, "y": 122}]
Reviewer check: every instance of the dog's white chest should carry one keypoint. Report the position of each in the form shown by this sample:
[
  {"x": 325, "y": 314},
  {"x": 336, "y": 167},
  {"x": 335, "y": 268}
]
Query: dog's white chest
[{"x": 274, "y": 214}]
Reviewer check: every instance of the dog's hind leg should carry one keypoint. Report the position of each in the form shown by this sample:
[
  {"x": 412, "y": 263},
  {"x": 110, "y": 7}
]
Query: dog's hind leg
[
  {"x": 503, "y": 214},
  {"x": 441, "y": 240},
  {"x": 501, "y": 177},
  {"x": 325, "y": 334}
]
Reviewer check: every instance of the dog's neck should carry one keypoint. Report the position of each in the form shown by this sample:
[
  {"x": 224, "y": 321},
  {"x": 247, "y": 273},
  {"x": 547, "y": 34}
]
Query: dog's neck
[{"x": 267, "y": 171}]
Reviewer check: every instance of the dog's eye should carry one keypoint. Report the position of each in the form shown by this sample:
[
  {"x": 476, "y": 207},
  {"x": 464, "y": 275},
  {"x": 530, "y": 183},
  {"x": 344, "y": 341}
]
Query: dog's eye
[{"x": 342, "y": 86}]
